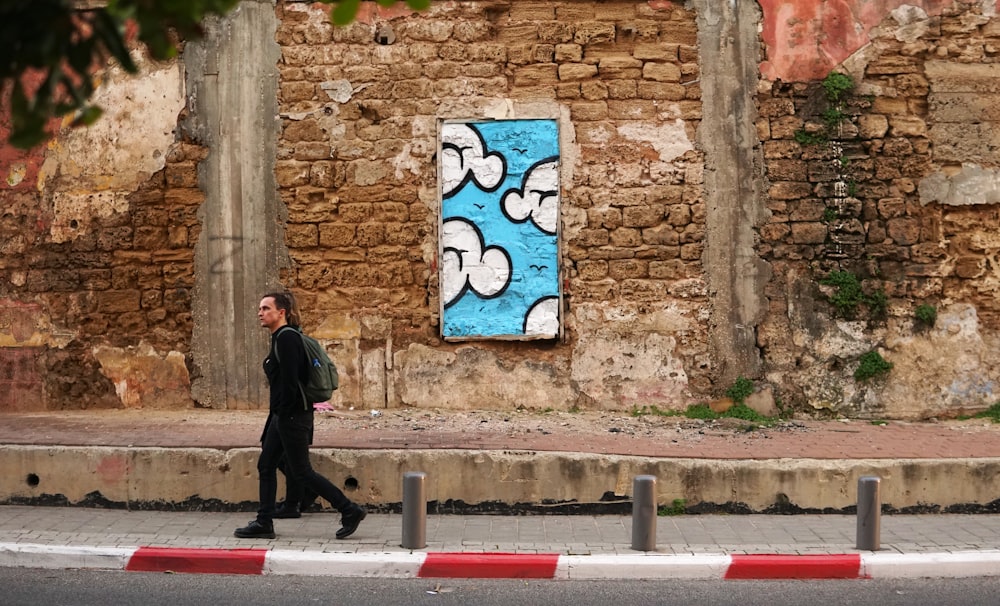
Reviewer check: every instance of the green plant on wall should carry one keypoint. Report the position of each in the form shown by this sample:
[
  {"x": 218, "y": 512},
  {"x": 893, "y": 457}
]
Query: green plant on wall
[
  {"x": 802, "y": 137},
  {"x": 925, "y": 315},
  {"x": 848, "y": 296},
  {"x": 878, "y": 304},
  {"x": 832, "y": 116},
  {"x": 837, "y": 85},
  {"x": 740, "y": 390},
  {"x": 992, "y": 413},
  {"x": 677, "y": 508},
  {"x": 738, "y": 411},
  {"x": 700, "y": 411},
  {"x": 870, "y": 366}
]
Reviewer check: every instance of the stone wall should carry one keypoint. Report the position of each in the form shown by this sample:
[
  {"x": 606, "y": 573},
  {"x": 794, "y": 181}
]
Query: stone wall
[
  {"x": 97, "y": 238},
  {"x": 357, "y": 171},
  {"x": 900, "y": 192},
  {"x": 707, "y": 190}
]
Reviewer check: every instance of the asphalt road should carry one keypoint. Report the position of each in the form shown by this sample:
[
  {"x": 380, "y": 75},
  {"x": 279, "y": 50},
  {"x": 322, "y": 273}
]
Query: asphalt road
[{"x": 25, "y": 586}]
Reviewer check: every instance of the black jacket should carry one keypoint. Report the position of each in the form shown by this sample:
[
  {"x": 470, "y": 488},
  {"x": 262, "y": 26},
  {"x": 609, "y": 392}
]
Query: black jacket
[{"x": 286, "y": 369}]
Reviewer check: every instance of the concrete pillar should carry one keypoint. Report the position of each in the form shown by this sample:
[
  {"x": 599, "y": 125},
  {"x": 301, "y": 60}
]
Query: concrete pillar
[
  {"x": 729, "y": 52},
  {"x": 232, "y": 90}
]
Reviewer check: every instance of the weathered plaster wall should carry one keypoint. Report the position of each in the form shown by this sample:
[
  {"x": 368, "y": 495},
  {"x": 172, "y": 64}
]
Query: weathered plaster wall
[
  {"x": 141, "y": 478},
  {"x": 807, "y": 39},
  {"x": 94, "y": 260}
]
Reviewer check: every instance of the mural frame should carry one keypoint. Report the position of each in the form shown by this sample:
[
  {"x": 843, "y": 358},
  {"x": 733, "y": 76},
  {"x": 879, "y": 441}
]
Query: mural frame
[{"x": 553, "y": 302}]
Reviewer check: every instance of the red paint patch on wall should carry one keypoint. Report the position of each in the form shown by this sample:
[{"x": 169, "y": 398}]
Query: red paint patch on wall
[
  {"x": 806, "y": 39},
  {"x": 19, "y": 167},
  {"x": 18, "y": 319},
  {"x": 21, "y": 388},
  {"x": 112, "y": 469}
]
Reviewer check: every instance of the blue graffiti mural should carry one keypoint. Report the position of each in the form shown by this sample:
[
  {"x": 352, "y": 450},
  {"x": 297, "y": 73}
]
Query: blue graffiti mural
[{"x": 499, "y": 224}]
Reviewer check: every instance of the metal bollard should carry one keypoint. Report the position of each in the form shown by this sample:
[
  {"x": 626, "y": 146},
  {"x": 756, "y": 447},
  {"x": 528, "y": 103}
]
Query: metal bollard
[
  {"x": 644, "y": 513},
  {"x": 414, "y": 510},
  {"x": 869, "y": 512}
]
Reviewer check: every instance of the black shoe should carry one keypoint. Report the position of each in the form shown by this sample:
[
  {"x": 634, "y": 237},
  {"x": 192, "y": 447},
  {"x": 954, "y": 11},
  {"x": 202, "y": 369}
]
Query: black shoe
[
  {"x": 255, "y": 530},
  {"x": 287, "y": 511},
  {"x": 308, "y": 502},
  {"x": 350, "y": 520}
]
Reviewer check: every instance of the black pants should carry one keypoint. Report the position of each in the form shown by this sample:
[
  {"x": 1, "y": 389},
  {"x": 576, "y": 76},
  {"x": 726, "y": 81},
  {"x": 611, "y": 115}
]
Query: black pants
[
  {"x": 308, "y": 496},
  {"x": 291, "y": 436}
]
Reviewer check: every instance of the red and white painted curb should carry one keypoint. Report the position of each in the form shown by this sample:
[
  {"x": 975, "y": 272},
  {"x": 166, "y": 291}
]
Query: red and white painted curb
[{"x": 504, "y": 565}]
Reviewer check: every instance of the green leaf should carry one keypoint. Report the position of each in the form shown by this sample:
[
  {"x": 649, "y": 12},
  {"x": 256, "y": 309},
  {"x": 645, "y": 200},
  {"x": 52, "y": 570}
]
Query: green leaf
[
  {"x": 27, "y": 121},
  {"x": 120, "y": 11},
  {"x": 81, "y": 56},
  {"x": 62, "y": 109},
  {"x": 158, "y": 42},
  {"x": 80, "y": 96},
  {"x": 88, "y": 116},
  {"x": 419, "y": 5},
  {"x": 18, "y": 101},
  {"x": 26, "y": 138},
  {"x": 345, "y": 11},
  {"x": 45, "y": 95},
  {"x": 110, "y": 31}
]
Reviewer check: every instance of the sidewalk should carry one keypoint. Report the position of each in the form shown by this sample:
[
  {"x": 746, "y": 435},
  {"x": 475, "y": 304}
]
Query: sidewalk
[
  {"x": 607, "y": 433},
  {"x": 558, "y": 547}
]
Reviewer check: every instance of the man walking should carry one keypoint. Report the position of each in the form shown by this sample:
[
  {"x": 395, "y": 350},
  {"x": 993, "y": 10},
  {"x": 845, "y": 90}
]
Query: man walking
[{"x": 289, "y": 427}]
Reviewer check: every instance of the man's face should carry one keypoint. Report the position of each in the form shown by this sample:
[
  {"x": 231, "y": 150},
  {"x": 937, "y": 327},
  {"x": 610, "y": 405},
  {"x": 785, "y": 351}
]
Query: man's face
[{"x": 269, "y": 315}]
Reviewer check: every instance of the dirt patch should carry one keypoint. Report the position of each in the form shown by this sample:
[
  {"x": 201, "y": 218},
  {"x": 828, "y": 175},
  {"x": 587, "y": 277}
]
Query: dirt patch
[{"x": 548, "y": 423}]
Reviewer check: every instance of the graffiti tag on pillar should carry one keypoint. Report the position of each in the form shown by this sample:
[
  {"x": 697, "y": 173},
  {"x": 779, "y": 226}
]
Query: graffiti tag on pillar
[{"x": 225, "y": 261}]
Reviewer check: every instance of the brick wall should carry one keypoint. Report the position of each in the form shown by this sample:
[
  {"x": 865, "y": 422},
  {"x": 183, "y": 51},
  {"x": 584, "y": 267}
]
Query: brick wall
[
  {"x": 357, "y": 153},
  {"x": 883, "y": 194},
  {"x": 113, "y": 278}
]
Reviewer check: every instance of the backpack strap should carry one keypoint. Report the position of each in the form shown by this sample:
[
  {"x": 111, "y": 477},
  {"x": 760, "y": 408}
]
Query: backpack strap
[{"x": 274, "y": 350}]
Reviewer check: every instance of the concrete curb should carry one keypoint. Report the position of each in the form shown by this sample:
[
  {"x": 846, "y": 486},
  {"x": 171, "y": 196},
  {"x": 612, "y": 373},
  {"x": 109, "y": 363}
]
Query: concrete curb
[
  {"x": 504, "y": 565},
  {"x": 193, "y": 478}
]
